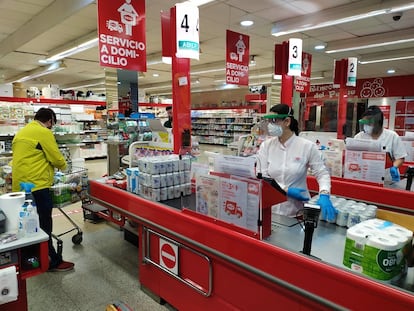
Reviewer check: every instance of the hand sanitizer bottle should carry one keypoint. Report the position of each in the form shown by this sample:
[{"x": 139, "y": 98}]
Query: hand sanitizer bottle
[
  {"x": 22, "y": 220},
  {"x": 32, "y": 219}
]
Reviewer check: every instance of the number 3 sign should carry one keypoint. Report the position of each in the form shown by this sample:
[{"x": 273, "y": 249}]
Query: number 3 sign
[
  {"x": 295, "y": 57},
  {"x": 186, "y": 16}
]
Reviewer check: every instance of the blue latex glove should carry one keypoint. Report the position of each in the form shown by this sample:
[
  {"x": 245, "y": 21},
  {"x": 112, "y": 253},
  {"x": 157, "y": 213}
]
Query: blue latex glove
[
  {"x": 328, "y": 210},
  {"x": 395, "y": 173},
  {"x": 298, "y": 194}
]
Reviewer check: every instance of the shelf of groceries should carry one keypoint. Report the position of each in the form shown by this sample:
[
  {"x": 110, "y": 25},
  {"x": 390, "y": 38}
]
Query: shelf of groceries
[
  {"x": 222, "y": 126},
  {"x": 80, "y": 127}
]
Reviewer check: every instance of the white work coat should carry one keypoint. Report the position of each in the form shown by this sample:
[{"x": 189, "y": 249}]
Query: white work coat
[
  {"x": 392, "y": 143},
  {"x": 288, "y": 164}
]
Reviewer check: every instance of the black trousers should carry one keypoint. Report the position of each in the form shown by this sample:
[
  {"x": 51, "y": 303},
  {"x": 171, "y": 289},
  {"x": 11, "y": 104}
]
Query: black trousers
[{"x": 44, "y": 205}]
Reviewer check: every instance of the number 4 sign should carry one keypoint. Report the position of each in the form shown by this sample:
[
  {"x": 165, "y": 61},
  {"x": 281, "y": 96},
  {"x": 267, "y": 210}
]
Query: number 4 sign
[{"x": 187, "y": 29}]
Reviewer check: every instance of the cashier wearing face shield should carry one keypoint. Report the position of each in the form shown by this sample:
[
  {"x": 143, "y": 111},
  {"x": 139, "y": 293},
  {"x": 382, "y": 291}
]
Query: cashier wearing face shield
[
  {"x": 286, "y": 157},
  {"x": 371, "y": 125}
]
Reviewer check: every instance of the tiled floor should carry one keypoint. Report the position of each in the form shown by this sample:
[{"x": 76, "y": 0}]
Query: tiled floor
[{"x": 106, "y": 267}]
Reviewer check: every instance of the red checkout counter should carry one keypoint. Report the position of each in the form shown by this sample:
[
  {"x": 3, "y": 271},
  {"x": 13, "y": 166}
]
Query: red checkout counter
[
  {"x": 29, "y": 256},
  {"x": 198, "y": 264}
]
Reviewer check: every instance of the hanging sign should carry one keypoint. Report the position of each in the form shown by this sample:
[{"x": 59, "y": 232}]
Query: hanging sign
[
  {"x": 295, "y": 57},
  {"x": 302, "y": 83},
  {"x": 237, "y": 58},
  {"x": 352, "y": 71},
  {"x": 121, "y": 34},
  {"x": 187, "y": 30}
]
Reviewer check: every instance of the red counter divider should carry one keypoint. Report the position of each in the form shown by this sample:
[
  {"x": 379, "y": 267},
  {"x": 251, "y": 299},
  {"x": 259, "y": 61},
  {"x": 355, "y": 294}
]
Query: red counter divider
[
  {"x": 399, "y": 200},
  {"x": 248, "y": 274}
]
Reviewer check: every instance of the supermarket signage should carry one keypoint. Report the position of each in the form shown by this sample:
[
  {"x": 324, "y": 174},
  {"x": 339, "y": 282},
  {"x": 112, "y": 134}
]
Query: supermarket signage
[
  {"x": 295, "y": 57},
  {"x": 187, "y": 30},
  {"x": 302, "y": 83},
  {"x": 351, "y": 71},
  {"x": 121, "y": 34},
  {"x": 237, "y": 58},
  {"x": 169, "y": 256}
]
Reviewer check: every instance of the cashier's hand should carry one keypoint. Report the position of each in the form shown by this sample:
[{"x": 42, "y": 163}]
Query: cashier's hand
[
  {"x": 328, "y": 210},
  {"x": 395, "y": 174},
  {"x": 298, "y": 194}
]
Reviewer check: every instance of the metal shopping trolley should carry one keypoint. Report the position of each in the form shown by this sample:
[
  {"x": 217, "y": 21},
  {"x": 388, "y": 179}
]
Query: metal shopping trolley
[{"x": 69, "y": 187}]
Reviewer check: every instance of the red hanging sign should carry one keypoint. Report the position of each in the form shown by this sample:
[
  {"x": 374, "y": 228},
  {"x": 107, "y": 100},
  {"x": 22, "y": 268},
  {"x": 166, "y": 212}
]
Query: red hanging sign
[
  {"x": 121, "y": 33},
  {"x": 237, "y": 58},
  {"x": 302, "y": 83}
]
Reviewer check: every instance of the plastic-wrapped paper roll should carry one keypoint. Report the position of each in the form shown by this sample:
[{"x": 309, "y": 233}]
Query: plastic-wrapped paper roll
[
  {"x": 401, "y": 231},
  {"x": 363, "y": 145},
  {"x": 8, "y": 285},
  {"x": 10, "y": 203}
]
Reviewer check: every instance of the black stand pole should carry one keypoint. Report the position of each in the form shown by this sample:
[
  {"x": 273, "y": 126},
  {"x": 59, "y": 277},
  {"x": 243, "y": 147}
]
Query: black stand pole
[{"x": 307, "y": 243}]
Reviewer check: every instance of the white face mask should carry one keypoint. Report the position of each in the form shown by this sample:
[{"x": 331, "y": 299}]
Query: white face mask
[
  {"x": 368, "y": 129},
  {"x": 274, "y": 130}
]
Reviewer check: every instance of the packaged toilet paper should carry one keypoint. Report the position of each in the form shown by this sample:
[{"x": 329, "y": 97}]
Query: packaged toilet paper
[{"x": 377, "y": 248}]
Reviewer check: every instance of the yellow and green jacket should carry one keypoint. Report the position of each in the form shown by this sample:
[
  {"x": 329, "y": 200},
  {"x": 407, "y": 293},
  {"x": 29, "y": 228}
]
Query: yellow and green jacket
[{"x": 35, "y": 155}]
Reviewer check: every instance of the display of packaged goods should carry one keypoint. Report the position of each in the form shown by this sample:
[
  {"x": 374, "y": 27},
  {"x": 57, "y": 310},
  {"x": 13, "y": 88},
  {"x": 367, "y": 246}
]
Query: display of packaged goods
[{"x": 377, "y": 248}]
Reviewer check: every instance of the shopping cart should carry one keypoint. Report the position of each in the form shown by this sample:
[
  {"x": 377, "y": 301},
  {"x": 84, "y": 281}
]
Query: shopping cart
[{"x": 69, "y": 187}]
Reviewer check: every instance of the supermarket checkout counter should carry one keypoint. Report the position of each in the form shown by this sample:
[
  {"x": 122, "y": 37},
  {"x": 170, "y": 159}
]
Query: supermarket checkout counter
[
  {"x": 215, "y": 267},
  {"x": 21, "y": 259}
]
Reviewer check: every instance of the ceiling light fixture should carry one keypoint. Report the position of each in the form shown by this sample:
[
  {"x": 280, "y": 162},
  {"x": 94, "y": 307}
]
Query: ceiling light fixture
[
  {"x": 319, "y": 47},
  {"x": 391, "y": 59},
  {"x": 246, "y": 23},
  {"x": 83, "y": 84},
  {"x": 390, "y": 71},
  {"x": 206, "y": 71},
  {"x": 199, "y": 2},
  {"x": 381, "y": 57},
  {"x": 252, "y": 60},
  {"x": 39, "y": 72},
  {"x": 371, "y": 41},
  {"x": 337, "y": 15},
  {"x": 79, "y": 45}
]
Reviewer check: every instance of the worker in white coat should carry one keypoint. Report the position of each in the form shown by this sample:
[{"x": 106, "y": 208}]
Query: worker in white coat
[
  {"x": 372, "y": 129},
  {"x": 286, "y": 157}
]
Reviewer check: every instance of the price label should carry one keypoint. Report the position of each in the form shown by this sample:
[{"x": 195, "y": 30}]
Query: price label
[
  {"x": 295, "y": 57},
  {"x": 187, "y": 30},
  {"x": 352, "y": 71}
]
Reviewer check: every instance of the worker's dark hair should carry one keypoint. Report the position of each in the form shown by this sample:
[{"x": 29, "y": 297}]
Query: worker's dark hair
[
  {"x": 287, "y": 110},
  {"x": 375, "y": 114},
  {"x": 168, "y": 108},
  {"x": 45, "y": 114}
]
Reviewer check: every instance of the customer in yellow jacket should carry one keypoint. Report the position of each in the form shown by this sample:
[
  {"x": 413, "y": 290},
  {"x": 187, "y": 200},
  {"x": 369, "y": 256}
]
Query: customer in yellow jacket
[{"x": 35, "y": 157}]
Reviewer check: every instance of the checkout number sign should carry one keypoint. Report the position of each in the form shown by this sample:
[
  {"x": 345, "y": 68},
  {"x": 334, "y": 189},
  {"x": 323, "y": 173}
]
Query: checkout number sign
[
  {"x": 169, "y": 256},
  {"x": 351, "y": 71},
  {"x": 295, "y": 57},
  {"x": 187, "y": 30}
]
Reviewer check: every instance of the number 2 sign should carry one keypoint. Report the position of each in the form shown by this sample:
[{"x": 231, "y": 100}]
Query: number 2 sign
[
  {"x": 187, "y": 30},
  {"x": 352, "y": 71}
]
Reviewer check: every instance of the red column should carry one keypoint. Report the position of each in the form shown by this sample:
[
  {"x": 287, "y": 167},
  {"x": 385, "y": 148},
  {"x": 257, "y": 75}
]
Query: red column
[
  {"x": 181, "y": 85},
  {"x": 342, "y": 103},
  {"x": 340, "y": 77},
  {"x": 286, "y": 91}
]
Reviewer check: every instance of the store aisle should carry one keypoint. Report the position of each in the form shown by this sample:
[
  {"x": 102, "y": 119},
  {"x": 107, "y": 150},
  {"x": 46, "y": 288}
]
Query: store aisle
[
  {"x": 106, "y": 267},
  {"x": 105, "y": 271}
]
